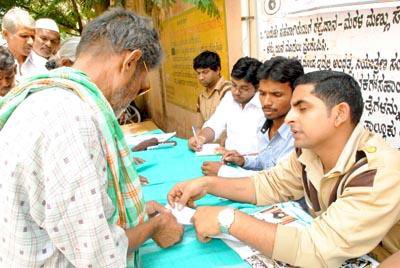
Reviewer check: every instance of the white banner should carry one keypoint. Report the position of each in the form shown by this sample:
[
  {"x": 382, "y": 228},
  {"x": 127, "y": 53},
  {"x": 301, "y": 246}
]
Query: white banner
[{"x": 363, "y": 43}]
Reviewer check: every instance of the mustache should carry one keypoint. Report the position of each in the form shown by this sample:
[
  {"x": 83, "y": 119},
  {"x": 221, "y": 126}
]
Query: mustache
[{"x": 268, "y": 108}]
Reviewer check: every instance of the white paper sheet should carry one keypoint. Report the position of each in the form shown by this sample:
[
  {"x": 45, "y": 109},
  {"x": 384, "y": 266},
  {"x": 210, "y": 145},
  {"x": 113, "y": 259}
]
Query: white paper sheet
[
  {"x": 135, "y": 140},
  {"x": 183, "y": 216},
  {"x": 208, "y": 149}
]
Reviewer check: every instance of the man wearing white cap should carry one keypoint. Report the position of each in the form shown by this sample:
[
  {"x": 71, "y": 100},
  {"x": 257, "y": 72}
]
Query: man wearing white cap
[{"x": 46, "y": 44}]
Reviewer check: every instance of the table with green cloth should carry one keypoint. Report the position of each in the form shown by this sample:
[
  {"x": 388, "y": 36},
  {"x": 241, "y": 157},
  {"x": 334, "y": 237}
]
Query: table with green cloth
[{"x": 164, "y": 168}]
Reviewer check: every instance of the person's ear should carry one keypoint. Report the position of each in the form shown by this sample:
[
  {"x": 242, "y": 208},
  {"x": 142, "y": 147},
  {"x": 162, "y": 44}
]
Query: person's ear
[
  {"x": 130, "y": 61},
  {"x": 66, "y": 62},
  {"x": 5, "y": 34},
  {"x": 341, "y": 113}
]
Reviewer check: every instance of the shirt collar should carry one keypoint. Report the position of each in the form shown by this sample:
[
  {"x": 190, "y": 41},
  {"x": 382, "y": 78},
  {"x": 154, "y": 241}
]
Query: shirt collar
[
  {"x": 36, "y": 58},
  {"x": 346, "y": 158},
  {"x": 283, "y": 131},
  {"x": 255, "y": 101},
  {"x": 218, "y": 87}
]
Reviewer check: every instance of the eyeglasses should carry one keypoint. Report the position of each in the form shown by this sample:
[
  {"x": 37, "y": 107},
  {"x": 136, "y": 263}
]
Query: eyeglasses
[
  {"x": 147, "y": 89},
  {"x": 241, "y": 89}
]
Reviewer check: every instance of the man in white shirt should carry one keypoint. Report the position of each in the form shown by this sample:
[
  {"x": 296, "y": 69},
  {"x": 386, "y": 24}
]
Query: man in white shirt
[
  {"x": 277, "y": 77},
  {"x": 18, "y": 29},
  {"x": 239, "y": 113},
  {"x": 45, "y": 45}
]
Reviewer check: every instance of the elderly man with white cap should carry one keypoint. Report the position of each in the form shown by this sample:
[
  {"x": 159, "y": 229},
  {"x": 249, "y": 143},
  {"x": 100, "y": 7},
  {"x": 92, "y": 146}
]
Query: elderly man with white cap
[
  {"x": 19, "y": 32},
  {"x": 46, "y": 44}
]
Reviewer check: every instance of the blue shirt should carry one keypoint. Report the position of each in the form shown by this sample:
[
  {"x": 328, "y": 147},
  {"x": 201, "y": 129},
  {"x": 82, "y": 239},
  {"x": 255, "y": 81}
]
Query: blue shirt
[{"x": 281, "y": 144}]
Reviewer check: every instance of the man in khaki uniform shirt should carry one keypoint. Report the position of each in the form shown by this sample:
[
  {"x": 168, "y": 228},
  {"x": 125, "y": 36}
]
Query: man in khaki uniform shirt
[
  {"x": 208, "y": 68},
  {"x": 349, "y": 177}
]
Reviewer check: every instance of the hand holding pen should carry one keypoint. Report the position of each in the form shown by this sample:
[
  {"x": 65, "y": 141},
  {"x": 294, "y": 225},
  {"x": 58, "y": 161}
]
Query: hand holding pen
[
  {"x": 196, "y": 142},
  {"x": 234, "y": 157}
]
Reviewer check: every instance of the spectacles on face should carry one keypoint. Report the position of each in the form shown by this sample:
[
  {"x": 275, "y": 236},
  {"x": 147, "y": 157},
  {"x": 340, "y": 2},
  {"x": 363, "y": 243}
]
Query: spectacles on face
[
  {"x": 242, "y": 88},
  {"x": 147, "y": 89}
]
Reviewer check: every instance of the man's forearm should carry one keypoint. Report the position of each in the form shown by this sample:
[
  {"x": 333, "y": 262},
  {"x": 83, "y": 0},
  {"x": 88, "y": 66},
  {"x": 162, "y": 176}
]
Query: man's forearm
[
  {"x": 238, "y": 189},
  {"x": 139, "y": 234},
  {"x": 208, "y": 134},
  {"x": 254, "y": 232}
]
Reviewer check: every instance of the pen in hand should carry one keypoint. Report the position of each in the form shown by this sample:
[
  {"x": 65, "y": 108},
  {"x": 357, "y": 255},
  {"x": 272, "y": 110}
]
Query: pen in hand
[{"x": 196, "y": 138}]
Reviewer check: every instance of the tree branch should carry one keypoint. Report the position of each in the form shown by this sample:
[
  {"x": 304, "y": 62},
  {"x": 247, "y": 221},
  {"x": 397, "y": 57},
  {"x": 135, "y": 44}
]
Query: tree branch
[{"x": 78, "y": 15}]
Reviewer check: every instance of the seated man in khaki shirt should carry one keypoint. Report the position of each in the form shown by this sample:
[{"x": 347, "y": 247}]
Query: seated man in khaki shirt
[
  {"x": 349, "y": 177},
  {"x": 208, "y": 68}
]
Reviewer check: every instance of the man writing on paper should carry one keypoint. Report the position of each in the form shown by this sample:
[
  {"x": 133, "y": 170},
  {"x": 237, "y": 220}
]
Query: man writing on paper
[
  {"x": 239, "y": 113},
  {"x": 276, "y": 76},
  {"x": 69, "y": 192},
  {"x": 349, "y": 176}
]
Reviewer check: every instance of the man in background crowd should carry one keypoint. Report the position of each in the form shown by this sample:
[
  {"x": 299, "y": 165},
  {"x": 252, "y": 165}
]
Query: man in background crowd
[
  {"x": 208, "y": 68},
  {"x": 45, "y": 45},
  {"x": 18, "y": 29},
  {"x": 8, "y": 69}
]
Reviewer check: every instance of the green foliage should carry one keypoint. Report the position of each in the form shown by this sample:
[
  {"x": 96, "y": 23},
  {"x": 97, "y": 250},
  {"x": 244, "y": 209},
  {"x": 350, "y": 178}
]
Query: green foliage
[
  {"x": 71, "y": 15},
  {"x": 207, "y": 6}
]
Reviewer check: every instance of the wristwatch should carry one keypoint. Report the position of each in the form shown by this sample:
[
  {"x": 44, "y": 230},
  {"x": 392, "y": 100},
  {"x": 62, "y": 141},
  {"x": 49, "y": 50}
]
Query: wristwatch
[{"x": 225, "y": 219}]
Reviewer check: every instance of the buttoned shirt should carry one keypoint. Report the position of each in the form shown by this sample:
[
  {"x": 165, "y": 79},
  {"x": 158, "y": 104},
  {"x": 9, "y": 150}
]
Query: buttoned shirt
[
  {"x": 53, "y": 202},
  {"x": 356, "y": 203},
  {"x": 209, "y": 100},
  {"x": 242, "y": 124},
  {"x": 34, "y": 64},
  {"x": 281, "y": 144}
]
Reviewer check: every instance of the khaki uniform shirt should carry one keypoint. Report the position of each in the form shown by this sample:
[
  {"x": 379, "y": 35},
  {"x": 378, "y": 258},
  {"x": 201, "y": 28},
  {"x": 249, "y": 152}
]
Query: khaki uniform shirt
[
  {"x": 208, "y": 101},
  {"x": 357, "y": 203}
]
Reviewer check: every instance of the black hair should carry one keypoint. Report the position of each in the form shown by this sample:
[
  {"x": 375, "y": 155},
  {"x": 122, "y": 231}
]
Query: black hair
[
  {"x": 335, "y": 87},
  {"x": 281, "y": 69},
  {"x": 246, "y": 68},
  {"x": 7, "y": 61},
  {"x": 207, "y": 59},
  {"x": 117, "y": 30}
]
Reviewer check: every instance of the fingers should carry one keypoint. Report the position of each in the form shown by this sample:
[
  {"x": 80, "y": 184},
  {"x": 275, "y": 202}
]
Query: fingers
[
  {"x": 193, "y": 145},
  {"x": 138, "y": 160},
  {"x": 169, "y": 231},
  {"x": 203, "y": 238},
  {"x": 204, "y": 168},
  {"x": 184, "y": 199},
  {"x": 174, "y": 195},
  {"x": 153, "y": 207},
  {"x": 143, "y": 180},
  {"x": 191, "y": 203}
]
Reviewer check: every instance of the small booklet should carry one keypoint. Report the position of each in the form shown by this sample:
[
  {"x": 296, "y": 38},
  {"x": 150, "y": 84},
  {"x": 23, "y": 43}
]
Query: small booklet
[{"x": 209, "y": 149}]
